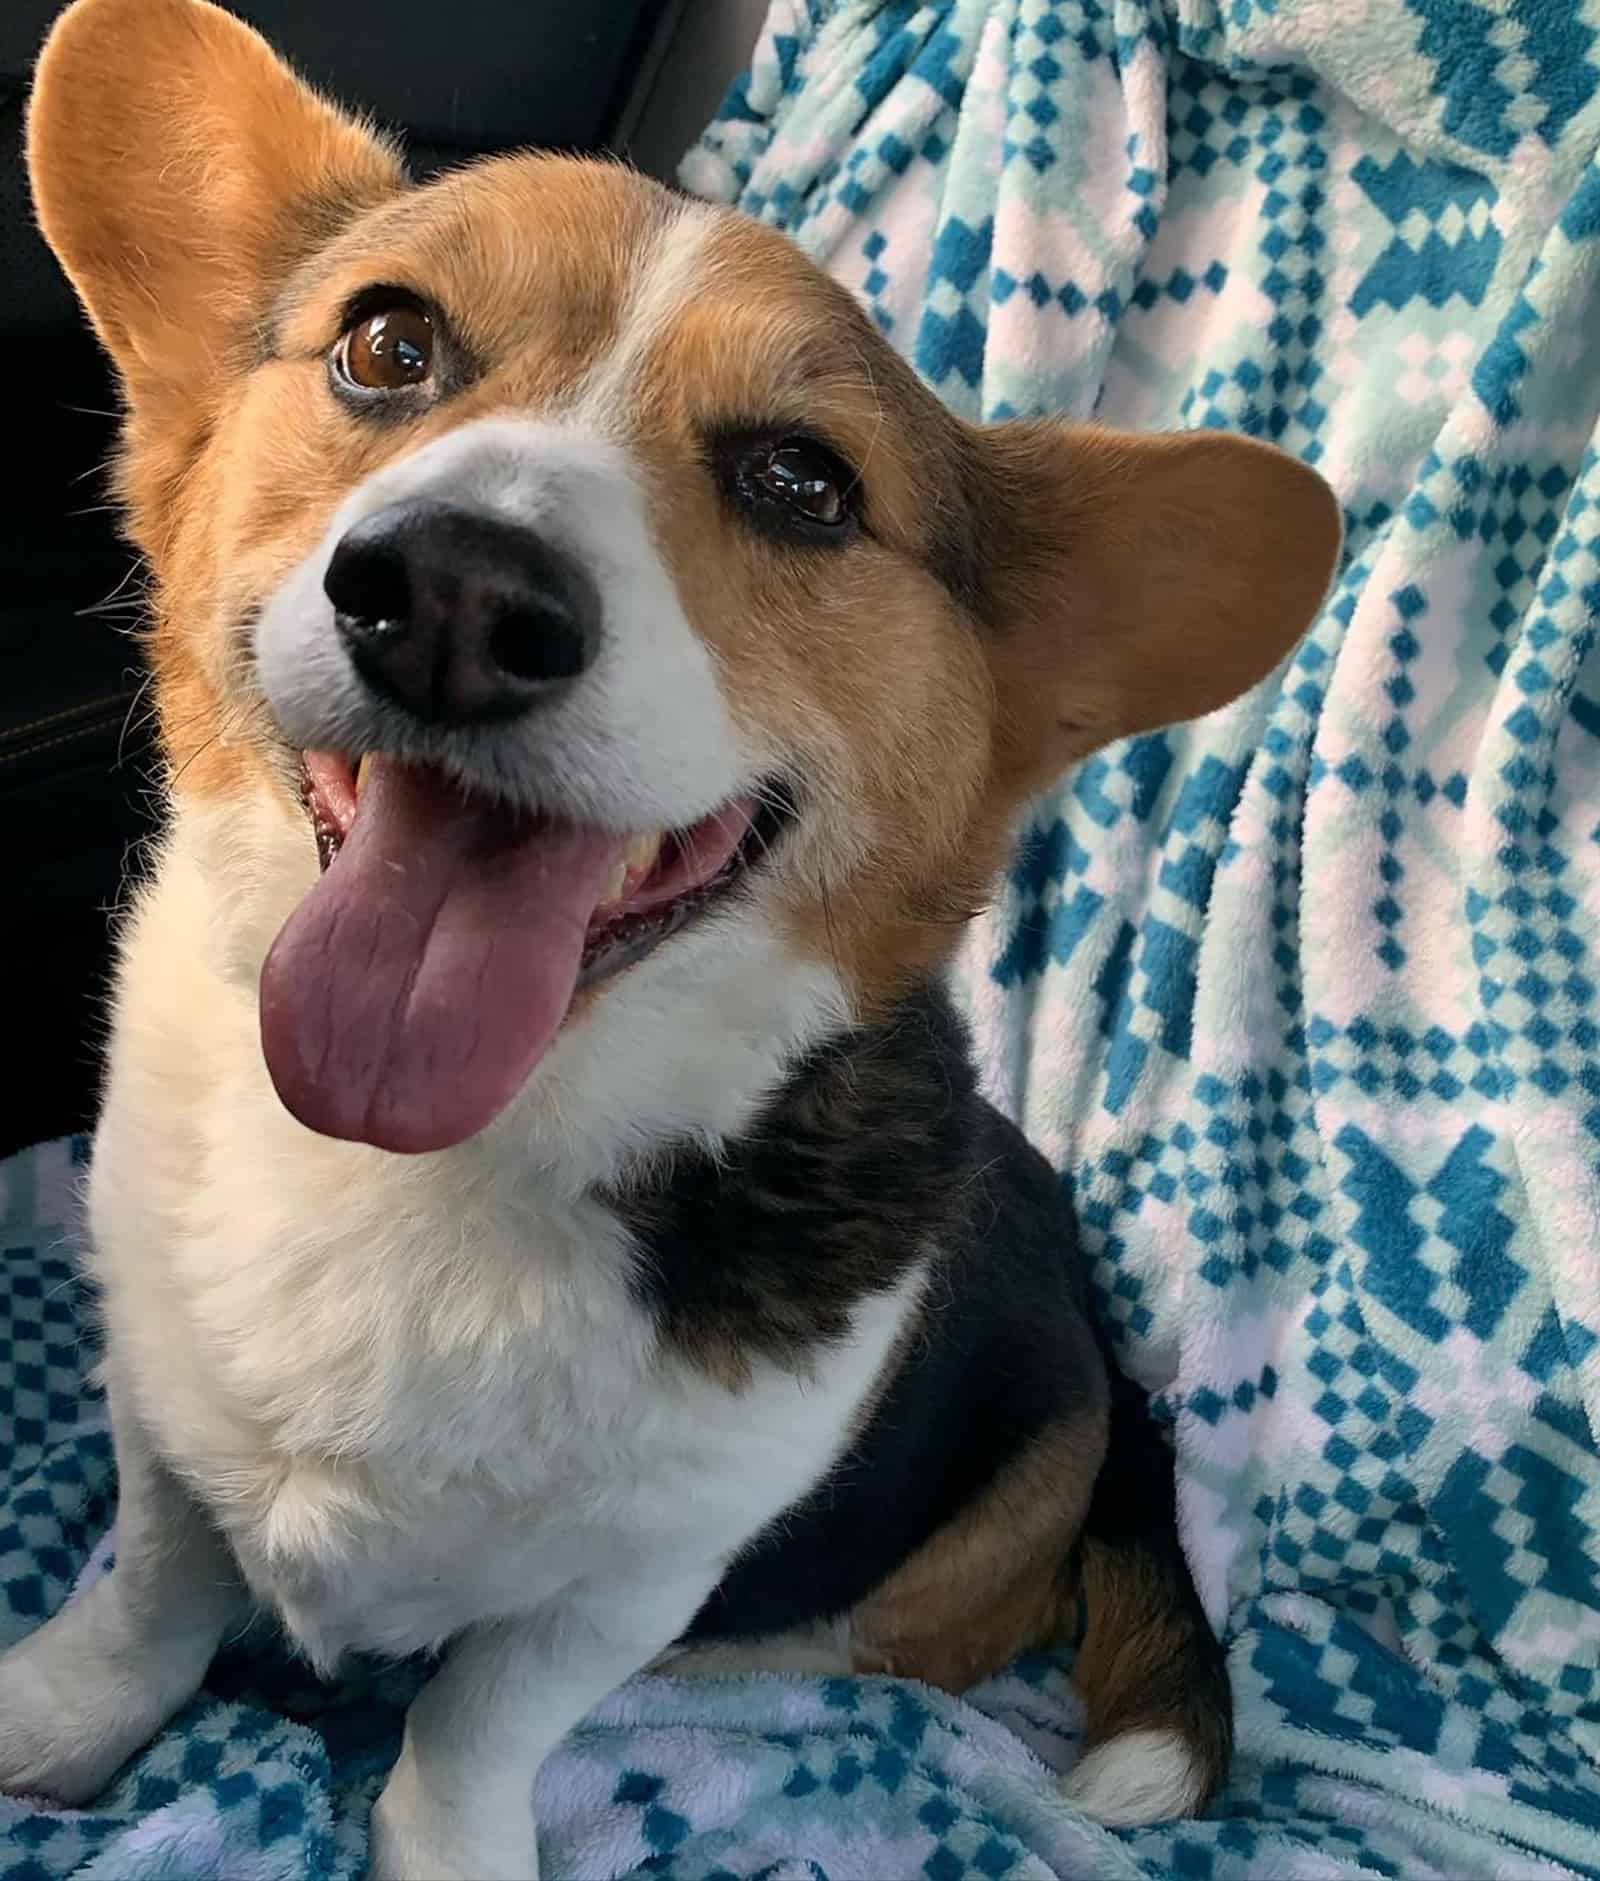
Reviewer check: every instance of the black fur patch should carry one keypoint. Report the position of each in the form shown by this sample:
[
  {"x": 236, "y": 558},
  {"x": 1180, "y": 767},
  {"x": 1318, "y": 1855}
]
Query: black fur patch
[
  {"x": 878, "y": 1154},
  {"x": 1002, "y": 1353},
  {"x": 859, "y": 1166},
  {"x": 957, "y": 553}
]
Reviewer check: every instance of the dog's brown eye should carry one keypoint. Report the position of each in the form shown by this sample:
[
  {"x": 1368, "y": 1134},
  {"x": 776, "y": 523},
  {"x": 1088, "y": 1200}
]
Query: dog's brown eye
[
  {"x": 789, "y": 487},
  {"x": 387, "y": 351},
  {"x": 806, "y": 478}
]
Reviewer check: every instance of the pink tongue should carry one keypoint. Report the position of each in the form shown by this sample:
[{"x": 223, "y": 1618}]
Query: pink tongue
[{"x": 413, "y": 990}]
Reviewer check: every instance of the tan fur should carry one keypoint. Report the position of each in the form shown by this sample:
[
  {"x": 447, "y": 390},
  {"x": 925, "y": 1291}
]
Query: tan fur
[
  {"x": 1141, "y": 580},
  {"x": 178, "y": 169},
  {"x": 862, "y": 663},
  {"x": 1129, "y": 1663},
  {"x": 991, "y": 1583}
]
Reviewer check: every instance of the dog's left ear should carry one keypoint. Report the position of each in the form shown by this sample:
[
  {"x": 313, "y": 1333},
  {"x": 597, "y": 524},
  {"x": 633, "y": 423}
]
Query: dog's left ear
[
  {"x": 180, "y": 170},
  {"x": 1137, "y": 581}
]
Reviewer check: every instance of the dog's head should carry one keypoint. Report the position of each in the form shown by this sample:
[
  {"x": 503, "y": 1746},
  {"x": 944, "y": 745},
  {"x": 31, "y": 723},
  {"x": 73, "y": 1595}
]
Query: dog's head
[{"x": 587, "y": 643}]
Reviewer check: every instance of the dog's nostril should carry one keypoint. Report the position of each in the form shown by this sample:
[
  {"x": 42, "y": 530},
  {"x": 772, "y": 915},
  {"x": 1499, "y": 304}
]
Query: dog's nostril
[
  {"x": 367, "y": 580},
  {"x": 539, "y": 645}
]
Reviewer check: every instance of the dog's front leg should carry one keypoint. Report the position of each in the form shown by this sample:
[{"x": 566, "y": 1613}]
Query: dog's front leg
[
  {"x": 95, "y": 1683},
  {"x": 459, "y": 1804}
]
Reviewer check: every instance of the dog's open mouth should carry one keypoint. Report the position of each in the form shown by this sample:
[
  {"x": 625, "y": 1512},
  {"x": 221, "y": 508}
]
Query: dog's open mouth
[
  {"x": 417, "y": 985},
  {"x": 656, "y": 881}
]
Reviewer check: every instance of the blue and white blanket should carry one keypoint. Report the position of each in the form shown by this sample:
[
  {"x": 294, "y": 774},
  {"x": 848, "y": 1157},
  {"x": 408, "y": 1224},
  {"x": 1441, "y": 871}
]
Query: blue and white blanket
[{"x": 1301, "y": 999}]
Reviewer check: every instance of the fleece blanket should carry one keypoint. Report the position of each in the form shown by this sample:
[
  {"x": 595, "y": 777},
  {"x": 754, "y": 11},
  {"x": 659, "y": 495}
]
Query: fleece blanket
[{"x": 1301, "y": 999}]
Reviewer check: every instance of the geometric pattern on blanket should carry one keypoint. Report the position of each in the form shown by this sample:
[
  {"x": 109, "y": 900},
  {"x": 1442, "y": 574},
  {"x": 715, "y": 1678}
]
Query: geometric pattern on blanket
[{"x": 1300, "y": 998}]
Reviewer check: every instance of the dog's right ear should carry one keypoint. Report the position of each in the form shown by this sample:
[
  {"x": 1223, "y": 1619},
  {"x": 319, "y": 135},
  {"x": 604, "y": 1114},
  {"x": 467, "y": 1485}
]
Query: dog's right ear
[{"x": 180, "y": 170}]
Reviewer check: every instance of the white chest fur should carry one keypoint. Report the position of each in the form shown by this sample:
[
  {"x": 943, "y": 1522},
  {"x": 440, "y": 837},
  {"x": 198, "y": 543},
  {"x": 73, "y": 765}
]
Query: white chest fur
[{"x": 414, "y": 1393}]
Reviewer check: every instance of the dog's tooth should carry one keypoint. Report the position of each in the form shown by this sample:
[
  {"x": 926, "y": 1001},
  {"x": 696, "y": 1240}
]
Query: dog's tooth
[
  {"x": 614, "y": 884},
  {"x": 642, "y": 851},
  {"x": 361, "y": 770}
]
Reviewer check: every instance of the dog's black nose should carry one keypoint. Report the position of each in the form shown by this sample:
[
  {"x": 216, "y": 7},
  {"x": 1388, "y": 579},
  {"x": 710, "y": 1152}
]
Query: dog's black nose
[{"x": 459, "y": 617}]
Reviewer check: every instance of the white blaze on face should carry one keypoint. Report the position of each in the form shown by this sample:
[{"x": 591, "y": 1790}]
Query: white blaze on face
[{"x": 605, "y": 396}]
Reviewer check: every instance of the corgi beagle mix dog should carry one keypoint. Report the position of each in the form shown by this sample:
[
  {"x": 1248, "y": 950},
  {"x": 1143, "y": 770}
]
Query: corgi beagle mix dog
[{"x": 542, "y": 1211}]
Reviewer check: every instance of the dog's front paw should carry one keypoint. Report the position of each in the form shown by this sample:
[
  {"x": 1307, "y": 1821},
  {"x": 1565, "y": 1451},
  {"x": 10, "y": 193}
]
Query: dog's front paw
[
  {"x": 69, "y": 1719},
  {"x": 410, "y": 1840}
]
